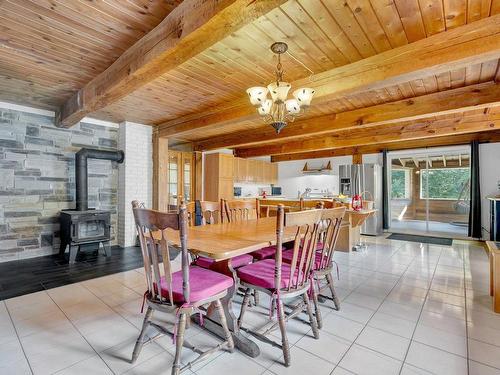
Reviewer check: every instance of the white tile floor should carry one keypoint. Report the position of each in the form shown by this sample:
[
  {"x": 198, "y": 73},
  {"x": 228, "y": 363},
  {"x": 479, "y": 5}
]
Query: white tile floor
[{"x": 406, "y": 309}]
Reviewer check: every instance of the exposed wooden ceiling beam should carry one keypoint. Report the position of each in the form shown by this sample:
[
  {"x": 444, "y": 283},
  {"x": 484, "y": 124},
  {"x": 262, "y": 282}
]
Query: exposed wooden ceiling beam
[
  {"x": 445, "y": 102},
  {"x": 384, "y": 133},
  {"x": 472, "y": 43},
  {"x": 189, "y": 29},
  {"x": 461, "y": 139}
]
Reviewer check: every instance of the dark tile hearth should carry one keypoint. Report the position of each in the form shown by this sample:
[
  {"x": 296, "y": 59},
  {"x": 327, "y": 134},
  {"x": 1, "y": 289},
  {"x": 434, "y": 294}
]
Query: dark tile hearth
[{"x": 33, "y": 275}]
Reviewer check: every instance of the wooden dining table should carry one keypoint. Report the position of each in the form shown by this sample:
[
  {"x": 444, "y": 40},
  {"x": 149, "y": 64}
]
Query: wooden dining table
[{"x": 222, "y": 242}]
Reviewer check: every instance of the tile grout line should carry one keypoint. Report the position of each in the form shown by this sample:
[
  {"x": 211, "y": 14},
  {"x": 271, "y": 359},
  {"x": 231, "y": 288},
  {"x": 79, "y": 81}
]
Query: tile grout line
[
  {"x": 17, "y": 335},
  {"x": 465, "y": 310},
  {"x": 76, "y": 328},
  {"x": 420, "y": 314},
  {"x": 359, "y": 334}
]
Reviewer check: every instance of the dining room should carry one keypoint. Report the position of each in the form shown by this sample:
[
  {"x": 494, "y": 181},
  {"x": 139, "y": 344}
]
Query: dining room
[{"x": 250, "y": 186}]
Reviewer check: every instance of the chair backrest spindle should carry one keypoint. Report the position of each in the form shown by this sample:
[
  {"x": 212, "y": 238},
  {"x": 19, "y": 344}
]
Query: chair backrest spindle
[{"x": 329, "y": 229}]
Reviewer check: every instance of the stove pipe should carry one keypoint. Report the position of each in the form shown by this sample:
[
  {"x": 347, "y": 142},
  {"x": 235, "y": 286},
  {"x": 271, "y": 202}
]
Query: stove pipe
[{"x": 81, "y": 176}]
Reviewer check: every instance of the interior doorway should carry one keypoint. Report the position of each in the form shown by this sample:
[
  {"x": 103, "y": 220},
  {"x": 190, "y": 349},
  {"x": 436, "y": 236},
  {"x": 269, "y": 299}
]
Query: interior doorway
[{"x": 429, "y": 191}]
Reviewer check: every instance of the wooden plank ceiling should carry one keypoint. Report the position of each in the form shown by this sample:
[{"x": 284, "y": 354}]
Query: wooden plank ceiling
[{"x": 51, "y": 48}]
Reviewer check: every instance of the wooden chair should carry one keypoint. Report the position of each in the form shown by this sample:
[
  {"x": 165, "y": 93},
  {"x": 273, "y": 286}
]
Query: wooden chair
[
  {"x": 285, "y": 281},
  {"x": 212, "y": 213},
  {"x": 241, "y": 209},
  {"x": 181, "y": 293},
  {"x": 238, "y": 210},
  {"x": 191, "y": 212},
  {"x": 317, "y": 203},
  {"x": 328, "y": 233}
]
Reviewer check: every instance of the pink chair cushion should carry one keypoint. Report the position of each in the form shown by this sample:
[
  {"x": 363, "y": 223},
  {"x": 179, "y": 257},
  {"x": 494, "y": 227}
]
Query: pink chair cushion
[
  {"x": 261, "y": 274},
  {"x": 288, "y": 255},
  {"x": 265, "y": 252},
  {"x": 238, "y": 261},
  {"x": 203, "y": 284}
]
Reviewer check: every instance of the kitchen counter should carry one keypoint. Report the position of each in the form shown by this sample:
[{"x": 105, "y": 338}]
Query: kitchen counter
[{"x": 350, "y": 234}]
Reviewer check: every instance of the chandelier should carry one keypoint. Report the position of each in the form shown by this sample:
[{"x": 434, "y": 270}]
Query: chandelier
[{"x": 278, "y": 110}]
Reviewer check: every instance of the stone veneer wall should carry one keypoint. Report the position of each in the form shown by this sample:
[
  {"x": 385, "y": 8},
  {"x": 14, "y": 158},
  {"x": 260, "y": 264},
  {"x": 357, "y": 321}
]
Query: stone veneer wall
[{"x": 37, "y": 180}]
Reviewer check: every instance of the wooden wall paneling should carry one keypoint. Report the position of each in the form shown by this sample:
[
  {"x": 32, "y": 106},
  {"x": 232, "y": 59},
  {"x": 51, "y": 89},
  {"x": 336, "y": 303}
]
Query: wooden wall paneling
[{"x": 160, "y": 172}]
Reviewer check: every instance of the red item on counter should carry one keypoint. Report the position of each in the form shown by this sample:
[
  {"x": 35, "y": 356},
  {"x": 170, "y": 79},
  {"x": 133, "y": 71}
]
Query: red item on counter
[
  {"x": 357, "y": 202},
  {"x": 264, "y": 194}
]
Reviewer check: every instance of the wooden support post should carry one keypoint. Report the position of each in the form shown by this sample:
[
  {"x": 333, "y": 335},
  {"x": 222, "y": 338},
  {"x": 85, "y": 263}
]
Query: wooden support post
[
  {"x": 160, "y": 172},
  {"x": 357, "y": 159},
  {"x": 198, "y": 177}
]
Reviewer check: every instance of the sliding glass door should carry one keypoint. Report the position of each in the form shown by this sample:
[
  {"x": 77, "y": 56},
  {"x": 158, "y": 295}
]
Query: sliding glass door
[{"x": 429, "y": 191}]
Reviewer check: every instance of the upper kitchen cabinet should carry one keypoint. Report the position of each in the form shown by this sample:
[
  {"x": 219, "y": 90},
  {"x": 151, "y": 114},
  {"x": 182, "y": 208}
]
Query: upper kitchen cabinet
[{"x": 255, "y": 171}]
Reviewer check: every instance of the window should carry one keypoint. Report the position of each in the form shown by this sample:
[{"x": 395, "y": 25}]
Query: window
[
  {"x": 444, "y": 183},
  {"x": 400, "y": 184}
]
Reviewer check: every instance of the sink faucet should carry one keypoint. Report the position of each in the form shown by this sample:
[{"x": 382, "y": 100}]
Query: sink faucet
[{"x": 305, "y": 194}]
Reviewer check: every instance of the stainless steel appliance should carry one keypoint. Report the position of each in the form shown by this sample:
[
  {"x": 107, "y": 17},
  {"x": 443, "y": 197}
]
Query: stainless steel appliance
[{"x": 365, "y": 180}]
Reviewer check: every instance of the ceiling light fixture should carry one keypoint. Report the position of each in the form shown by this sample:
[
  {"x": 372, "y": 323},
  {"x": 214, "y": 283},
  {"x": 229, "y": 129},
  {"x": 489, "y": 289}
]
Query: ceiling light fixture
[{"x": 278, "y": 110}]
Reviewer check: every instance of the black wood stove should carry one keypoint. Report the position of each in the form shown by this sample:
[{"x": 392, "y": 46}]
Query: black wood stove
[{"x": 84, "y": 228}]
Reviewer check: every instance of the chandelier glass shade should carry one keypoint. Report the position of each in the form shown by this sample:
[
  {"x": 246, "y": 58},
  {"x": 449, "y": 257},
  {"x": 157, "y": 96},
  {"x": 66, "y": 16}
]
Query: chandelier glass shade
[{"x": 277, "y": 110}]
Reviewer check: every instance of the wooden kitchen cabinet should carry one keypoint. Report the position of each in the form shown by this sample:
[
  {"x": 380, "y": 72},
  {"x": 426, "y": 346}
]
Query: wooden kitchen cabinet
[
  {"x": 255, "y": 171},
  {"x": 240, "y": 170},
  {"x": 219, "y": 175}
]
